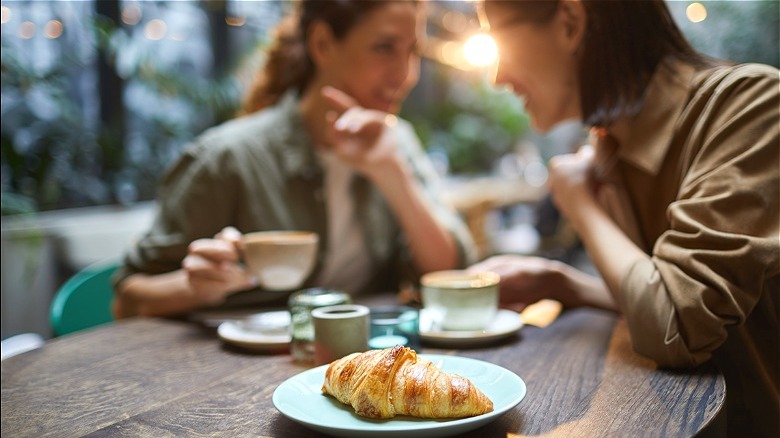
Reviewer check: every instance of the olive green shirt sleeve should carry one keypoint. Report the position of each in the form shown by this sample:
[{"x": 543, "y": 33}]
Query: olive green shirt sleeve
[{"x": 188, "y": 209}]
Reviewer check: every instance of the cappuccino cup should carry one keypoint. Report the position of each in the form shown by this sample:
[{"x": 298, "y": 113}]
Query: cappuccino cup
[
  {"x": 280, "y": 260},
  {"x": 459, "y": 300}
]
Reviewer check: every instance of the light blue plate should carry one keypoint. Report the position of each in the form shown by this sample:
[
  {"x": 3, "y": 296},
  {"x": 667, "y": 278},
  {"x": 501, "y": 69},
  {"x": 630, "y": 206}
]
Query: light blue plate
[{"x": 300, "y": 398}]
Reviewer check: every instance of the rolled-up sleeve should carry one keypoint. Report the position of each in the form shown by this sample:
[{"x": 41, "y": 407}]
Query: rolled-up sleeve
[{"x": 652, "y": 319}]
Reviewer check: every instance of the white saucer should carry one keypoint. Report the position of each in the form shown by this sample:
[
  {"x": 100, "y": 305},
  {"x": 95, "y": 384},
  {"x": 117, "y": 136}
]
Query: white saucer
[
  {"x": 262, "y": 331},
  {"x": 504, "y": 324}
]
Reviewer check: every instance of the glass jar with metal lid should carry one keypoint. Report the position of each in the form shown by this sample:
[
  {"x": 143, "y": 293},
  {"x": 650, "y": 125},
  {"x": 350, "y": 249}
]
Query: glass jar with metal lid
[{"x": 301, "y": 304}]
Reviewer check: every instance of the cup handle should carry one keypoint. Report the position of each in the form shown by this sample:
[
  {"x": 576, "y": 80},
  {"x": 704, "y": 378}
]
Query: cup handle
[{"x": 232, "y": 235}]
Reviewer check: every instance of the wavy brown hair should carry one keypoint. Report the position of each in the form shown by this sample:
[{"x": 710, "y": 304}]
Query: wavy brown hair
[
  {"x": 288, "y": 65},
  {"x": 624, "y": 43}
]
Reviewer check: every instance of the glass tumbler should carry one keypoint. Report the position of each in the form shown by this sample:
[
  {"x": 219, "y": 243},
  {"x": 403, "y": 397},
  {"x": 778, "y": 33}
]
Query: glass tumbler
[
  {"x": 301, "y": 304},
  {"x": 394, "y": 325}
]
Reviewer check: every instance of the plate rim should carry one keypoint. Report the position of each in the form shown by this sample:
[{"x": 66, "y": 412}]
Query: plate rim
[{"x": 461, "y": 424}]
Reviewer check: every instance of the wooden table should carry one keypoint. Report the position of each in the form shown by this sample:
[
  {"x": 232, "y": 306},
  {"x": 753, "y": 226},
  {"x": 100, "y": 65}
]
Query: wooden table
[{"x": 156, "y": 377}]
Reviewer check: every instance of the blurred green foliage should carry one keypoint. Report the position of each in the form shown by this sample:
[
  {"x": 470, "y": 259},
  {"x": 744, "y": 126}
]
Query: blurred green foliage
[
  {"x": 44, "y": 134},
  {"x": 473, "y": 123},
  {"x": 56, "y": 155}
]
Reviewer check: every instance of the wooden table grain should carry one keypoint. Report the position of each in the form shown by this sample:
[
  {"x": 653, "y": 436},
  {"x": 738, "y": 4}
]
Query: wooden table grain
[{"x": 157, "y": 377}]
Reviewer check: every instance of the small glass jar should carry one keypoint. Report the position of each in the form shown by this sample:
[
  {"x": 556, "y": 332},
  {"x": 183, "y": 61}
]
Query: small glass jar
[
  {"x": 394, "y": 325},
  {"x": 301, "y": 304}
]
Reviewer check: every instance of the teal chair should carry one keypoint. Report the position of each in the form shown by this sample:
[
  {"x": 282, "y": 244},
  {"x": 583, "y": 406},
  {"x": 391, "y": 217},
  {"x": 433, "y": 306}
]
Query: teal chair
[{"x": 84, "y": 300}]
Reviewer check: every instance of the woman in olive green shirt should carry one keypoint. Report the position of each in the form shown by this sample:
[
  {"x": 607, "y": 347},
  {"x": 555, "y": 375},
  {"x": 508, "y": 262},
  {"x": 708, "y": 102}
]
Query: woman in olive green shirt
[
  {"x": 677, "y": 197},
  {"x": 317, "y": 150}
]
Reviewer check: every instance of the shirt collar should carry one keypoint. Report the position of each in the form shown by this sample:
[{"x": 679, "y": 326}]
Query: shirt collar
[{"x": 645, "y": 139}]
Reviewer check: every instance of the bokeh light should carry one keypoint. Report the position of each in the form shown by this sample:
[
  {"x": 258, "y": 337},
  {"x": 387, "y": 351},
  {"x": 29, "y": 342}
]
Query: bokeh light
[
  {"x": 696, "y": 12},
  {"x": 480, "y": 50},
  {"x": 27, "y": 30},
  {"x": 53, "y": 29},
  {"x": 235, "y": 21},
  {"x": 452, "y": 53},
  {"x": 131, "y": 14},
  {"x": 455, "y": 22},
  {"x": 5, "y": 15},
  {"x": 155, "y": 29}
]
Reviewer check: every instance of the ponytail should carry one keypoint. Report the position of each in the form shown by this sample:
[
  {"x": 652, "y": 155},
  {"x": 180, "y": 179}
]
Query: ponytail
[{"x": 286, "y": 67}]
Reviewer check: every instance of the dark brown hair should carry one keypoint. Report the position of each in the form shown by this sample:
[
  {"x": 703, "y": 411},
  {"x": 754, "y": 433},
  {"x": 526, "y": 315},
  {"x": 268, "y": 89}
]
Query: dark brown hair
[
  {"x": 287, "y": 65},
  {"x": 624, "y": 43}
]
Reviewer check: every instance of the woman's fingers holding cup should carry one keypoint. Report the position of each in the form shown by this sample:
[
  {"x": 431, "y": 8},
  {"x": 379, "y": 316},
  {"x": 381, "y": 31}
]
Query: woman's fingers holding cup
[
  {"x": 213, "y": 281},
  {"x": 216, "y": 250},
  {"x": 230, "y": 234},
  {"x": 203, "y": 267}
]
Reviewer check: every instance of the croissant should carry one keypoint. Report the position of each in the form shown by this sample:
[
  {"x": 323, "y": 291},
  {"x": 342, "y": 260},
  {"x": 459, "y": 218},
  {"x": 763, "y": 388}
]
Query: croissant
[{"x": 395, "y": 381}]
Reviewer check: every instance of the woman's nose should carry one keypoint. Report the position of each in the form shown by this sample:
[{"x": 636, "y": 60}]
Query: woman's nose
[
  {"x": 405, "y": 73},
  {"x": 501, "y": 77},
  {"x": 412, "y": 71}
]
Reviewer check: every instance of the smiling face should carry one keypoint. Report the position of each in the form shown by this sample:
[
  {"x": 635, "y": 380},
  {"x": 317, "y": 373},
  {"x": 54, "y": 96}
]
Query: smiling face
[
  {"x": 376, "y": 62},
  {"x": 538, "y": 61}
]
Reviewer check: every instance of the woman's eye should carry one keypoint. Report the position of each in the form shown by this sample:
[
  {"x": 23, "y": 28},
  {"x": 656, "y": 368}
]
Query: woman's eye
[{"x": 384, "y": 48}]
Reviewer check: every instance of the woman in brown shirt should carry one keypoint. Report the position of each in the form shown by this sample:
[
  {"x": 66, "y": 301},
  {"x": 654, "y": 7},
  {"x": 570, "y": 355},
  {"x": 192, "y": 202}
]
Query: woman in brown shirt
[{"x": 676, "y": 199}]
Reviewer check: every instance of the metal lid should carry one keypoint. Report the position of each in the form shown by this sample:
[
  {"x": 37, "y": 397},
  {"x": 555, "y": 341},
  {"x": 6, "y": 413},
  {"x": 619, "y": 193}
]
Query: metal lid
[{"x": 319, "y": 297}]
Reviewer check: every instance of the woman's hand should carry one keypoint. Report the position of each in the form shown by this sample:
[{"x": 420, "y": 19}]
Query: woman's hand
[
  {"x": 364, "y": 140},
  {"x": 359, "y": 136},
  {"x": 570, "y": 179},
  {"x": 213, "y": 268},
  {"x": 526, "y": 280}
]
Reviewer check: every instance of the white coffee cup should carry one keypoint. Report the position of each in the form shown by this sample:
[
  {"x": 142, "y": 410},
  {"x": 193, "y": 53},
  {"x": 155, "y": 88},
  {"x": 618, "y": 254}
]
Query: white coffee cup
[
  {"x": 459, "y": 300},
  {"x": 339, "y": 331},
  {"x": 280, "y": 260}
]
